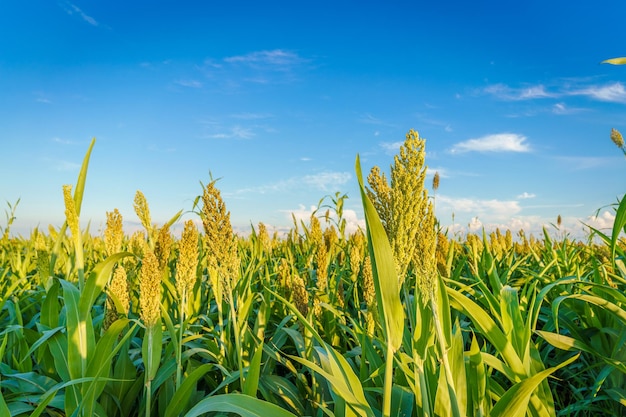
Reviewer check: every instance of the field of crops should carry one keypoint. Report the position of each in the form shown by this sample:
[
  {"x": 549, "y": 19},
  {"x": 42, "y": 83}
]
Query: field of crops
[{"x": 398, "y": 319}]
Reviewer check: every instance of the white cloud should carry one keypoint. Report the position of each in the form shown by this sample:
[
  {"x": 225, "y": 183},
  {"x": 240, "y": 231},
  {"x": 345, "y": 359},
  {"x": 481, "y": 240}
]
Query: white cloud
[
  {"x": 327, "y": 181},
  {"x": 613, "y": 92},
  {"x": 250, "y": 116},
  {"x": 602, "y": 222},
  {"x": 504, "y": 92},
  {"x": 563, "y": 109},
  {"x": 73, "y": 9},
  {"x": 502, "y": 142},
  {"x": 323, "y": 181},
  {"x": 391, "y": 148},
  {"x": 526, "y": 195},
  {"x": 235, "y": 132},
  {"x": 276, "y": 59},
  {"x": 585, "y": 162},
  {"x": 189, "y": 83},
  {"x": 303, "y": 214},
  {"x": 495, "y": 209}
]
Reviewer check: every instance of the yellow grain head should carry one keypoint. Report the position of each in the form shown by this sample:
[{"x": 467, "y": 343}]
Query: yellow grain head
[
  {"x": 221, "y": 242},
  {"x": 113, "y": 233},
  {"x": 163, "y": 247},
  {"x": 118, "y": 289},
  {"x": 356, "y": 253},
  {"x": 150, "y": 289},
  {"x": 617, "y": 138},
  {"x": 315, "y": 231},
  {"x": 70, "y": 211},
  {"x": 379, "y": 193},
  {"x": 264, "y": 238},
  {"x": 441, "y": 254},
  {"x": 436, "y": 181},
  {"x": 284, "y": 275},
  {"x": 300, "y": 295},
  {"x": 187, "y": 259},
  {"x": 143, "y": 211}
]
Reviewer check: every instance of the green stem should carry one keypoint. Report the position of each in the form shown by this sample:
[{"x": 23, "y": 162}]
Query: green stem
[
  {"x": 388, "y": 381},
  {"x": 454, "y": 403},
  {"x": 148, "y": 365},
  {"x": 179, "y": 351}
]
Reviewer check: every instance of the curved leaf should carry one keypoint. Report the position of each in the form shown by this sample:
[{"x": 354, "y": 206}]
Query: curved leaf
[{"x": 240, "y": 404}]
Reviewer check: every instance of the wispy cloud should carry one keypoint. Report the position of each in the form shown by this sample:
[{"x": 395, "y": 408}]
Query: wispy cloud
[
  {"x": 234, "y": 132},
  {"x": 391, "y": 148},
  {"x": 495, "y": 208},
  {"x": 504, "y": 92},
  {"x": 586, "y": 162},
  {"x": 602, "y": 221},
  {"x": 525, "y": 196},
  {"x": 277, "y": 59},
  {"x": 303, "y": 214},
  {"x": 502, "y": 142},
  {"x": 369, "y": 119},
  {"x": 322, "y": 181},
  {"x": 72, "y": 9},
  {"x": 189, "y": 83},
  {"x": 251, "y": 116},
  {"x": 563, "y": 109},
  {"x": 615, "y": 92}
]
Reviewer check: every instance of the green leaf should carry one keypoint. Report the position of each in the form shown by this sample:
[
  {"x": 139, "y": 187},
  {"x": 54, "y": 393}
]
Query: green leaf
[
  {"x": 96, "y": 281},
  {"x": 514, "y": 402},
  {"x": 338, "y": 373},
  {"x": 82, "y": 177},
  {"x": 76, "y": 332},
  {"x": 183, "y": 393},
  {"x": 402, "y": 402},
  {"x": 151, "y": 350},
  {"x": 384, "y": 270},
  {"x": 620, "y": 220},
  {"x": 240, "y": 404},
  {"x": 254, "y": 372}
]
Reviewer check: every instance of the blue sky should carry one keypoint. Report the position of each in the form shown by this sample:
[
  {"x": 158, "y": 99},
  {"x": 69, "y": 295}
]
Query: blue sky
[{"x": 278, "y": 98}]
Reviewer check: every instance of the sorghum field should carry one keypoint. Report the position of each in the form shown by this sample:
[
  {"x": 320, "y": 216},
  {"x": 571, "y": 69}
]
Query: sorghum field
[{"x": 398, "y": 319}]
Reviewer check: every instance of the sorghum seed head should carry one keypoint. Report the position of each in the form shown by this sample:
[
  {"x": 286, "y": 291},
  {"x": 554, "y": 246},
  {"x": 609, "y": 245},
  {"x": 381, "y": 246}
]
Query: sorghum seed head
[
  {"x": 150, "y": 289},
  {"x": 187, "y": 259},
  {"x": 70, "y": 211},
  {"x": 142, "y": 210},
  {"x": 617, "y": 138},
  {"x": 113, "y": 234}
]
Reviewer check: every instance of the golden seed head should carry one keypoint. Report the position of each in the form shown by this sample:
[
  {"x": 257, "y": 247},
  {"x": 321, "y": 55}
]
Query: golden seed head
[
  {"x": 264, "y": 238},
  {"x": 617, "y": 138},
  {"x": 137, "y": 243},
  {"x": 71, "y": 214},
  {"x": 369, "y": 290},
  {"x": 143, "y": 211},
  {"x": 150, "y": 289},
  {"x": 284, "y": 273},
  {"x": 436, "y": 181},
  {"x": 315, "y": 231},
  {"x": 163, "y": 246},
  {"x": 300, "y": 295},
  {"x": 40, "y": 243},
  {"x": 321, "y": 258},
  {"x": 380, "y": 196},
  {"x": 330, "y": 237},
  {"x": 356, "y": 256},
  {"x": 118, "y": 289},
  {"x": 187, "y": 259},
  {"x": 113, "y": 233},
  {"x": 559, "y": 220},
  {"x": 222, "y": 248}
]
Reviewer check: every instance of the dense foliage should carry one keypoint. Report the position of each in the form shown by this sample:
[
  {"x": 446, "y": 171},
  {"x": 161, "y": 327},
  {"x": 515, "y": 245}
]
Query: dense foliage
[{"x": 397, "y": 319}]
